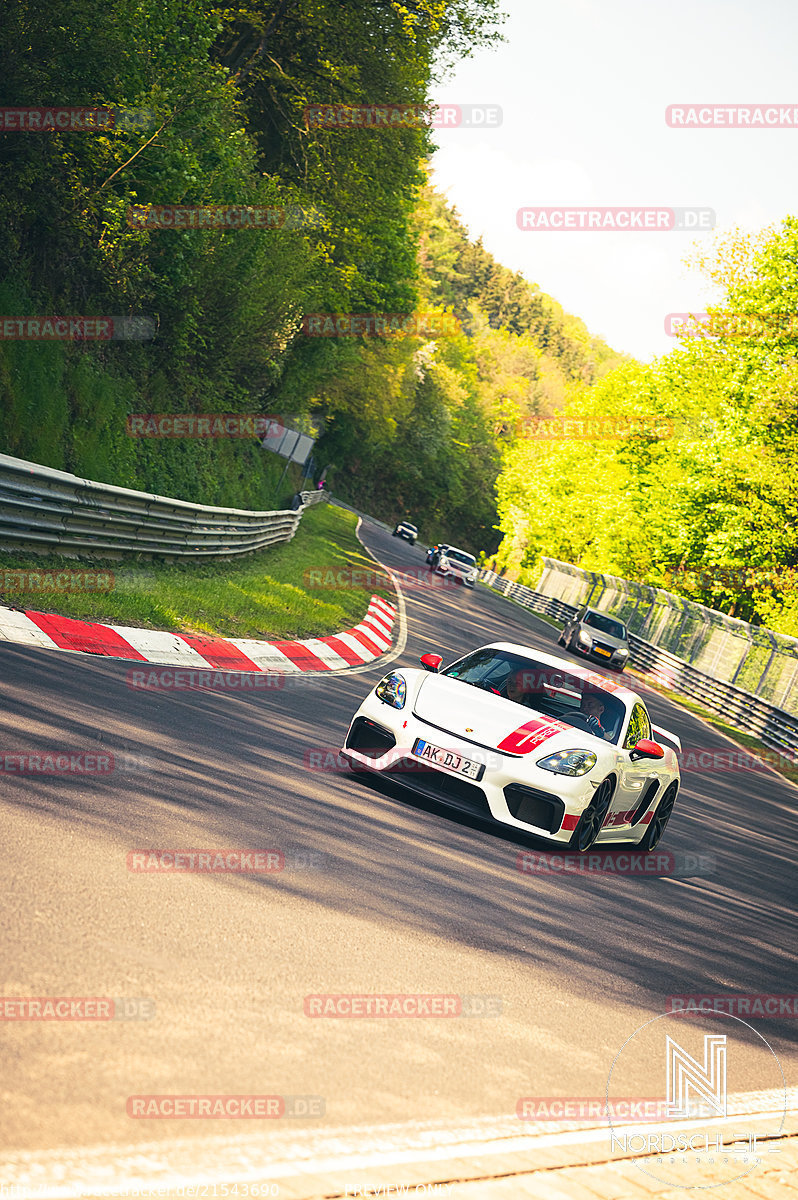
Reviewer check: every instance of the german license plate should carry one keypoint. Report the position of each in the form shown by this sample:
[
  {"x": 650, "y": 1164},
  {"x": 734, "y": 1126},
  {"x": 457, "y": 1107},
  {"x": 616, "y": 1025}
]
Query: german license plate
[
  {"x": 606, "y": 653},
  {"x": 448, "y": 759}
]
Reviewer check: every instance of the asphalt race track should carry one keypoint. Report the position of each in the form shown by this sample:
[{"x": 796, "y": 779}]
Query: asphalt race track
[{"x": 381, "y": 894}]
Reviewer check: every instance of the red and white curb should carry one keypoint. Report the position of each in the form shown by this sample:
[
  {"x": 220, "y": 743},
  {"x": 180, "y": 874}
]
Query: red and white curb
[{"x": 353, "y": 648}]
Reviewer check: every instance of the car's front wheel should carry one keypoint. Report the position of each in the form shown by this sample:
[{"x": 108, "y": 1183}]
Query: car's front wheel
[
  {"x": 662, "y": 814},
  {"x": 589, "y": 824}
]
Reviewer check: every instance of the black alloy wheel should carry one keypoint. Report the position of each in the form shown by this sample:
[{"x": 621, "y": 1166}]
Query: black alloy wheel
[
  {"x": 590, "y": 823},
  {"x": 662, "y": 814}
]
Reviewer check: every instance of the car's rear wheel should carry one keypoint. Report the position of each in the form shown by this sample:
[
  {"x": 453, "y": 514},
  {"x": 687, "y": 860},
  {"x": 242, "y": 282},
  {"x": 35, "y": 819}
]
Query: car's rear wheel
[
  {"x": 589, "y": 825},
  {"x": 662, "y": 814}
]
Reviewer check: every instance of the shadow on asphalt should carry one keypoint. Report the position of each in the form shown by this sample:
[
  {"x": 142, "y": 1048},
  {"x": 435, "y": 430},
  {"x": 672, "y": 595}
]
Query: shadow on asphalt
[{"x": 231, "y": 769}]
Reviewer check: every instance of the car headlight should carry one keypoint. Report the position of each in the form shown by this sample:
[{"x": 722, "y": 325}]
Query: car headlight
[
  {"x": 443, "y": 561},
  {"x": 473, "y": 576},
  {"x": 569, "y": 762},
  {"x": 392, "y": 690},
  {"x": 585, "y": 638},
  {"x": 622, "y": 651}
]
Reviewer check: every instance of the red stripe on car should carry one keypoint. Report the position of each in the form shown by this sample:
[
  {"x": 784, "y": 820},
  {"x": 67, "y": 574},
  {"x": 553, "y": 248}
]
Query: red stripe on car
[{"x": 529, "y": 736}]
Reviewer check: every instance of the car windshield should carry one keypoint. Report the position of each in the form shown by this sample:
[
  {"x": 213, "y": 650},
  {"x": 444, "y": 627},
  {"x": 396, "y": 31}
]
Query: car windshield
[
  {"x": 407, "y": 525},
  {"x": 604, "y": 624},
  {"x": 551, "y": 691},
  {"x": 461, "y": 557}
]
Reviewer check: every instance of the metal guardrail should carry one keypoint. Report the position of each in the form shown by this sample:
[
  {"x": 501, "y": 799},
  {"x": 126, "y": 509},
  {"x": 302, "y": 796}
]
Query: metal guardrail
[
  {"x": 314, "y": 497},
  {"x": 775, "y": 727},
  {"x": 753, "y": 658},
  {"x": 46, "y": 510}
]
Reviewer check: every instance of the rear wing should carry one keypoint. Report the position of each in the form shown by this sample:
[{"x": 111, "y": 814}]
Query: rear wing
[{"x": 666, "y": 733}]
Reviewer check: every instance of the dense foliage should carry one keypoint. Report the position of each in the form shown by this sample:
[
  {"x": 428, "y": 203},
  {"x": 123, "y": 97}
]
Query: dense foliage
[
  {"x": 699, "y": 493},
  {"x": 424, "y": 425},
  {"x": 408, "y": 422}
]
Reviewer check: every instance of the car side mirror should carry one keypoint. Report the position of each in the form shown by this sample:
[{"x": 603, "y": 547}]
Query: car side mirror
[
  {"x": 431, "y": 662},
  {"x": 645, "y": 748}
]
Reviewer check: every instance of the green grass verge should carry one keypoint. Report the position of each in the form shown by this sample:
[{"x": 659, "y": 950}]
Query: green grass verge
[{"x": 269, "y": 594}]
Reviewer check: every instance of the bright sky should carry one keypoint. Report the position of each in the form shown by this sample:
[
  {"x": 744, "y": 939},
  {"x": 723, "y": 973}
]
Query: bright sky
[{"x": 584, "y": 85}]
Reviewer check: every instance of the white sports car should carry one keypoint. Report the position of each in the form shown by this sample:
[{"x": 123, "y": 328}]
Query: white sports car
[
  {"x": 457, "y": 564},
  {"x": 527, "y": 739}
]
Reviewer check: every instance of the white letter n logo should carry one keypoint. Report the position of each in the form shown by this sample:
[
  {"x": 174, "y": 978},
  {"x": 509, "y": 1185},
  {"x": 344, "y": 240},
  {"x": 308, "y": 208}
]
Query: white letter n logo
[{"x": 708, "y": 1082}]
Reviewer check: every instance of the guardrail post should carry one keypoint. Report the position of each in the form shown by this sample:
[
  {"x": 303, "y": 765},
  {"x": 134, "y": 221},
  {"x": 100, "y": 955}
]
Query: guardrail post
[
  {"x": 768, "y": 664},
  {"x": 744, "y": 659}
]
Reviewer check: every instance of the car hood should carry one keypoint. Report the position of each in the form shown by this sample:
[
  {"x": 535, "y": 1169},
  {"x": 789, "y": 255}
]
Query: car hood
[
  {"x": 492, "y": 721},
  {"x": 461, "y": 568}
]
